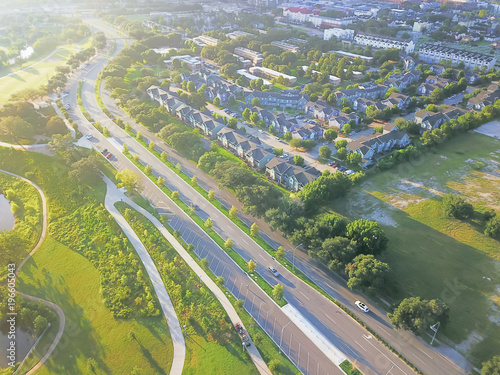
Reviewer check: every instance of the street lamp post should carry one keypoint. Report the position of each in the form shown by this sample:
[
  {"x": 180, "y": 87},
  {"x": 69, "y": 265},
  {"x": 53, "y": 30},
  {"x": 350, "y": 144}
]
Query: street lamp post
[
  {"x": 435, "y": 328},
  {"x": 293, "y": 262},
  {"x": 281, "y": 339}
]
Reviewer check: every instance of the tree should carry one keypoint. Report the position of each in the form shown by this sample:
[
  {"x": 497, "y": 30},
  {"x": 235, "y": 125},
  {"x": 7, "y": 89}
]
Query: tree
[
  {"x": 325, "y": 152},
  {"x": 40, "y": 324},
  {"x": 246, "y": 114},
  {"x": 191, "y": 86},
  {"x": 492, "y": 228},
  {"x": 129, "y": 180},
  {"x": 17, "y": 127},
  {"x": 85, "y": 170},
  {"x": 314, "y": 97},
  {"x": 251, "y": 265},
  {"x": 342, "y": 153},
  {"x": 231, "y": 101},
  {"x": 337, "y": 252},
  {"x": 139, "y": 136},
  {"x": 175, "y": 195},
  {"x": 194, "y": 181},
  {"x": 275, "y": 366},
  {"x": 278, "y": 291},
  {"x": 367, "y": 273},
  {"x": 280, "y": 253},
  {"x": 148, "y": 169},
  {"x": 256, "y": 102},
  {"x": 278, "y": 151},
  {"x": 220, "y": 281},
  {"x": 368, "y": 235},
  {"x": 330, "y": 134},
  {"x": 211, "y": 195},
  {"x": 378, "y": 129},
  {"x": 457, "y": 206},
  {"x": 298, "y": 160},
  {"x": 491, "y": 367},
  {"x": 233, "y": 212},
  {"x": 254, "y": 230},
  {"x": 254, "y": 117},
  {"x": 55, "y": 125},
  {"x": 164, "y": 156},
  {"x": 346, "y": 129},
  {"x": 415, "y": 314},
  {"x": 287, "y": 136},
  {"x": 160, "y": 181},
  {"x": 228, "y": 244},
  {"x": 232, "y": 123},
  {"x": 216, "y": 101},
  {"x": 209, "y": 223},
  {"x": 340, "y": 143},
  {"x": 354, "y": 157}
]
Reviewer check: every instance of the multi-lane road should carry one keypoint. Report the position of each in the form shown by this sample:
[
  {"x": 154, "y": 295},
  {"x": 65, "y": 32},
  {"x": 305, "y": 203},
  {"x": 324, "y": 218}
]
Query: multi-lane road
[{"x": 320, "y": 335}]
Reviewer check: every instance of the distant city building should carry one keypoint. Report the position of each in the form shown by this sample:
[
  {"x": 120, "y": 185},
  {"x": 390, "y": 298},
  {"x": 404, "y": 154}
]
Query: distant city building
[
  {"x": 384, "y": 42},
  {"x": 435, "y": 53},
  {"x": 339, "y": 33},
  {"x": 285, "y": 46},
  {"x": 206, "y": 40},
  {"x": 237, "y": 34},
  {"x": 254, "y": 56},
  {"x": 299, "y": 14},
  {"x": 269, "y": 73},
  {"x": 192, "y": 63},
  {"x": 327, "y": 22}
]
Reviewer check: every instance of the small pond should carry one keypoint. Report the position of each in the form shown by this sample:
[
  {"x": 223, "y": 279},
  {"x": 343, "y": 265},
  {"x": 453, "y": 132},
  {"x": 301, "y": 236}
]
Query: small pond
[
  {"x": 24, "y": 342},
  {"x": 7, "y": 218}
]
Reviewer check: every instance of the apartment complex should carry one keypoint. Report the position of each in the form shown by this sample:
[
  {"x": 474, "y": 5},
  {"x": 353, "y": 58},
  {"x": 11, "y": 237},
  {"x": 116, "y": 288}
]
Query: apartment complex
[
  {"x": 340, "y": 34},
  {"x": 206, "y": 40},
  {"x": 435, "y": 53},
  {"x": 285, "y": 46},
  {"x": 254, "y": 56},
  {"x": 269, "y": 73},
  {"x": 384, "y": 42},
  {"x": 299, "y": 14},
  {"x": 236, "y": 34}
]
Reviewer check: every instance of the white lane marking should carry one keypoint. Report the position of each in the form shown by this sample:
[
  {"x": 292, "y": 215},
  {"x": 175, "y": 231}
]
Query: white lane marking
[
  {"x": 418, "y": 358},
  {"x": 303, "y": 294},
  {"x": 331, "y": 320},
  {"x": 377, "y": 349},
  {"x": 425, "y": 353},
  {"x": 360, "y": 345},
  {"x": 379, "y": 326}
]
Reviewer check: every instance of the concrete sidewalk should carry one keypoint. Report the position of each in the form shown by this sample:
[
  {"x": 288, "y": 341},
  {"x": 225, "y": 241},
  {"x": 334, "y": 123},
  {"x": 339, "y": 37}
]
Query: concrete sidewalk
[
  {"x": 113, "y": 195},
  {"x": 117, "y": 195}
]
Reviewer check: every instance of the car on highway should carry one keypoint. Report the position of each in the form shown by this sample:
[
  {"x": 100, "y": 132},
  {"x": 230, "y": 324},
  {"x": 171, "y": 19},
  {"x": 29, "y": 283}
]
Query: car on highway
[
  {"x": 273, "y": 271},
  {"x": 362, "y": 306},
  {"x": 88, "y": 136}
]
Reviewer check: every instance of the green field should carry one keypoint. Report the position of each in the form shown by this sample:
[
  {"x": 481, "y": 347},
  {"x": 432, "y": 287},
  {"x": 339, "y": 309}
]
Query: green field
[
  {"x": 60, "y": 275},
  {"x": 430, "y": 254},
  {"x": 37, "y": 72}
]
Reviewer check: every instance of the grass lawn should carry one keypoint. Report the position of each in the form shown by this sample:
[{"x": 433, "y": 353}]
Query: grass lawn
[
  {"x": 38, "y": 74},
  {"x": 430, "y": 254},
  {"x": 60, "y": 275}
]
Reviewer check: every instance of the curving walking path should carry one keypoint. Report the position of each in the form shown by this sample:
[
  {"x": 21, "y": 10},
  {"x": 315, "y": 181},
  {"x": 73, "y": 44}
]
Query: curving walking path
[
  {"x": 113, "y": 195},
  {"x": 53, "y": 306}
]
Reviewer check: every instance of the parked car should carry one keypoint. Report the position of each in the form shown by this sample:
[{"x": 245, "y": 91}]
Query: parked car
[
  {"x": 341, "y": 168},
  {"x": 349, "y": 171},
  {"x": 109, "y": 155},
  {"x": 88, "y": 136},
  {"x": 104, "y": 152},
  {"x": 273, "y": 271},
  {"x": 278, "y": 139},
  {"x": 362, "y": 306}
]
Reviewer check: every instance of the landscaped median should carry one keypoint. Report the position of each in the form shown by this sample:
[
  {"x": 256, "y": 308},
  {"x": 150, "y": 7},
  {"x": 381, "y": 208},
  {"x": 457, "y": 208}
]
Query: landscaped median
[
  {"x": 215, "y": 236},
  {"x": 80, "y": 103},
  {"x": 147, "y": 231}
]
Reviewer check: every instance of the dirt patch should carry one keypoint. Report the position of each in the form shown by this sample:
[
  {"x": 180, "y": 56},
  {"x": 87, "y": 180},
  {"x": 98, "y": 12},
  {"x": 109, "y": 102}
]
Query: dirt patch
[{"x": 472, "y": 339}]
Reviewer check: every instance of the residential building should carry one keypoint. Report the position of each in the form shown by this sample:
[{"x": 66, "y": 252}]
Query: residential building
[
  {"x": 434, "y": 53},
  {"x": 403, "y": 80},
  {"x": 290, "y": 175},
  {"x": 206, "y": 40},
  {"x": 327, "y": 22},
  {"x": 258, "y": 157},
  {"x": 429, "y": 120},
  {"x": 432, "y": 83},
  {"x": 384, "y": 42},
  {"x": 299, "y": 15},
  {"x": 485, "y": 97},
  {"x": 282, "y": 99},
  {"x": 236, "y": 34},
  {"x": 269, "y": 73},
  {"x": 320, "y": 110},
  {"x": 193, "y": 63},
  {"x": 375, "y": 144},
  {"x": 340, "y": 34},
  {"x": 365, "y": 90},
  {"x": 338, "y": 121},
  {"x": 285, "y": 46},
  {"x": 254, "y": 56},
  {"x": 309, "y": 131}
]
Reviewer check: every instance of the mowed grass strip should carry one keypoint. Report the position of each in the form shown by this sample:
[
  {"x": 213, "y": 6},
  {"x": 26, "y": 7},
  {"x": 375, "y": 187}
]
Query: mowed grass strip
[{"x": 58, "y": 274}]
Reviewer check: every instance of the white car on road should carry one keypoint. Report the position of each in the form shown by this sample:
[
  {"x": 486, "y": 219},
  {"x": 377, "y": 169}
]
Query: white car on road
[
  {"x": 362, "y": 306},
  {"x": 273, "y": 271}
]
